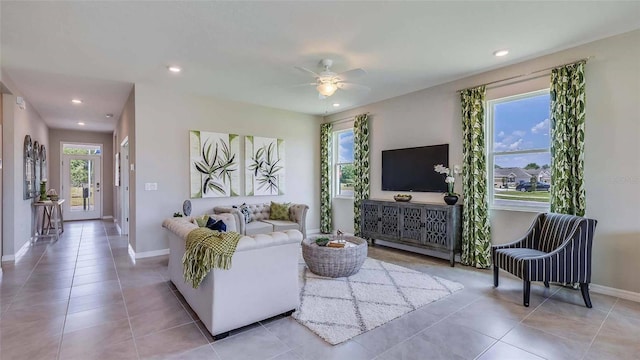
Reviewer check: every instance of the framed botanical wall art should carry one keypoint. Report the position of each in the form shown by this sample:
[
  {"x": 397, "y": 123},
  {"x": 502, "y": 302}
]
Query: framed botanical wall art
[
  {"x": 264, "y": 166},
  {"x": 213, "y": 164}
]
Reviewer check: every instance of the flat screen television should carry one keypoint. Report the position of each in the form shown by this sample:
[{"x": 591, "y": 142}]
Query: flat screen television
[{"x": 411, "y": 169}]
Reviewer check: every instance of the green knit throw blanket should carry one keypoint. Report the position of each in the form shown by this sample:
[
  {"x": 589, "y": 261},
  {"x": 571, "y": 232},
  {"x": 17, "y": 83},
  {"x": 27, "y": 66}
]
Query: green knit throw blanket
[{"x": 206, "y": 249}]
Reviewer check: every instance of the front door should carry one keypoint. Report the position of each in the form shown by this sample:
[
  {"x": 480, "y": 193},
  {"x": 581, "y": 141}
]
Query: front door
[{"x": 81, "y": 187}]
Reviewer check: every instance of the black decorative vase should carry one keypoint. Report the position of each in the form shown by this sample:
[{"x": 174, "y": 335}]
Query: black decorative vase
[{"x": 450, "y": 199}]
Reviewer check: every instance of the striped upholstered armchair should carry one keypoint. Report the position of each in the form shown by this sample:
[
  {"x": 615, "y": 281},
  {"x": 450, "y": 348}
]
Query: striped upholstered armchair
[{"x": 556, "y": 248}]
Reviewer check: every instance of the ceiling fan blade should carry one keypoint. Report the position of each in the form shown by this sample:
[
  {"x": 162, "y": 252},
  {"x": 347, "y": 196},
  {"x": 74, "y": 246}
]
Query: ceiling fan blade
[
  {"x": 305, "y": 70},
  {"x": 351, "y": 86},
  {"x": 350, "y": 74},
  {"x": 304, "y": 85}
]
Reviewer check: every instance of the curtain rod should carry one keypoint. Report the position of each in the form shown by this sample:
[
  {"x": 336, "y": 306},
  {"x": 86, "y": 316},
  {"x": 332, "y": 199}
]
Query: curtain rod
[
  {"x": 343, "y": 120},
  {"x": 528, "y": 74}
]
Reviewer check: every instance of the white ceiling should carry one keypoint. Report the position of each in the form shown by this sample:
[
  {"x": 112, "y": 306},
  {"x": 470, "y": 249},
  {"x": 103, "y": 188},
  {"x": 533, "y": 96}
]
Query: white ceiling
[{"x": 246, "y": 51}]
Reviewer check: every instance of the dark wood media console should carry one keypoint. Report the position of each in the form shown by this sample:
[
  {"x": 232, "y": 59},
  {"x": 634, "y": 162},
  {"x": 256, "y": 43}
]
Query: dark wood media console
[{"x": 435, "y": 227}]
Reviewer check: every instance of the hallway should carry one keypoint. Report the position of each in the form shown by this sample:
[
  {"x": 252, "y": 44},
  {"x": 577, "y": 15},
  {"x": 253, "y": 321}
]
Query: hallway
[{"x": 83, "y": 298}]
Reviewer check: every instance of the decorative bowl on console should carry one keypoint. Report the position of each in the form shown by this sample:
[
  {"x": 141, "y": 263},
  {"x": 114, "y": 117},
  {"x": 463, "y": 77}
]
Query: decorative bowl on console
[{"x": 402, "y": 197}]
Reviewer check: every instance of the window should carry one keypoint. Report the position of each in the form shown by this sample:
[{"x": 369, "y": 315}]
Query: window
[
  {"x": 81, "y": 149},
  {"x": 518, "y": 153},
  {"x": 343, "y": 174}
]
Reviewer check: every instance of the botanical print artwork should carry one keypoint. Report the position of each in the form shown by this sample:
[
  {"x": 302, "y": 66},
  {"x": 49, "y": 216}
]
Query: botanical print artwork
[
  {"x": 264, "y": 161},
  {"x": 213, "y": 164}
]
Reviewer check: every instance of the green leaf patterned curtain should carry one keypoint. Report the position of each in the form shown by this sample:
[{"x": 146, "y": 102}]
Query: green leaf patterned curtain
[
  {"x": 361, "y": 166},
  {"x": 476, "y": 239},
  {"x": 567, "y": 139},
  {"x": 325, "y": 178}
]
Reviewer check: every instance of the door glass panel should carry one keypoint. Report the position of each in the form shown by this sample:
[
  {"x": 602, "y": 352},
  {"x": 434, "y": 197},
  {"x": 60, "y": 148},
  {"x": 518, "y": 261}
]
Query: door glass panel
[{"x": 82, "y": 178}]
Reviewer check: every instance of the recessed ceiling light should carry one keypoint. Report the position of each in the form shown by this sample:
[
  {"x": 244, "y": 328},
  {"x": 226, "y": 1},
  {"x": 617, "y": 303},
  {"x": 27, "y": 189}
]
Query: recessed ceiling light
[
  {"x": 174, "y": 69},
  {"x": 76, "y": 101},
  {"x": 108, "y": 116},
  {"x": 336, "y": 105},
  {"x": 81, "y": 123},
  {"x": 500, "y": 52}
]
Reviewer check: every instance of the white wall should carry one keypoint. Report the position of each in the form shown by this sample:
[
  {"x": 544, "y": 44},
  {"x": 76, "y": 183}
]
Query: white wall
[
  {"x": 612, "y": 164},
  {"x": 16, "y": 211},
  {"x": 163, "y": 119}
]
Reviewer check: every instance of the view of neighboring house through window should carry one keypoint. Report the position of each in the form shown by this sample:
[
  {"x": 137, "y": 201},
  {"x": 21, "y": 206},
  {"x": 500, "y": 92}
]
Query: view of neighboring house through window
[
  {"x": 343, "y": 163},
  {"x": 519, "y": 158}
]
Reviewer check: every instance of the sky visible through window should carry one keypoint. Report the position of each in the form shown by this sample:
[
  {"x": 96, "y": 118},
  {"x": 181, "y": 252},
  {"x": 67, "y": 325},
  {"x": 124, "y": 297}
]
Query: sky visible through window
[
  {"x": 522, "y": 125},
  {"x": 345, "y": 147}
]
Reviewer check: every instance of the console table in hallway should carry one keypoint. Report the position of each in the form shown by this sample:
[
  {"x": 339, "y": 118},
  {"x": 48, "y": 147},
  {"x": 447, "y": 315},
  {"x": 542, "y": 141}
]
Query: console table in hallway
[{"x": 51, "y": 216}]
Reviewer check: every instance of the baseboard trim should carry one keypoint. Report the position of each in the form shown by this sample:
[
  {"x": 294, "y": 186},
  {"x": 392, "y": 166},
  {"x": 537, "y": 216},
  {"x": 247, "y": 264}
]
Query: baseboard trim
[
  {"x": 107, "y": 217},
  {"x": 18, "y": 255},
  {"x": 622, "y": 294},
  {"x": 313, "y": 231},
  {"x": 132, "y": 254},
  {"x": 147, "y": 254}
]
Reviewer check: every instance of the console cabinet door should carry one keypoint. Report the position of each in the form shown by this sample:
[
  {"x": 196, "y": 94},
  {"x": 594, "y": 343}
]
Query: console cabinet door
[
  {"x": 371, "y": 213},
  {"x": 412, "y": 224},
  {"x": 436, "y": 228},
  {"x": 390, "y": 221}
]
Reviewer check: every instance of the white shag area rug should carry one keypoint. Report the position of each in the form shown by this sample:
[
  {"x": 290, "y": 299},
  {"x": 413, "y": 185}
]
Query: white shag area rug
[{"x": 341, "y": 308}]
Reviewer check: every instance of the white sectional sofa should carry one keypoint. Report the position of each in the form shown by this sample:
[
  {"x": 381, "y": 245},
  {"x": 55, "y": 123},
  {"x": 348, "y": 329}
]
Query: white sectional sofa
[
  {"x": 262, "y": 281},
  {"x": 260, "y": 222}
]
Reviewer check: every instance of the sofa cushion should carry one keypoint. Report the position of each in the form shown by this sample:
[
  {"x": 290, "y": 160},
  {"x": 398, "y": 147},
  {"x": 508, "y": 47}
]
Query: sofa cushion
[
  {"x": 279, "y": 211},
  {"x": 218, "y": 225},
  {"x": 201, "y": 221},
  {"x": 258, "y": 227},
  {"x": 274, "y": 239},
  {"x": 244, "y": 209},
  {"x": 259, "y": 211},
  {"x": 282, "y": 225}
]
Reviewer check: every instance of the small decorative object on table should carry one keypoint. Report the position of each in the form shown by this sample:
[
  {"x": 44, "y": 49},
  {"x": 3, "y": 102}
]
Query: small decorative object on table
[
  {"x": 450, "y": 197},
  {"x": 52, "y": 195},
  {"x": 402, "y": 197},
  {"x": 43, "y": 190},
  {"x": 177, "y": 214},
  {"x": 323, "y": 241}
]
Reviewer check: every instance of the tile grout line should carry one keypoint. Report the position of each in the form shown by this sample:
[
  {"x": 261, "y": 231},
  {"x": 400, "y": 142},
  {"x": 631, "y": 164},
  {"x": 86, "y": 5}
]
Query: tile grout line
[
  {"x": 600, "y": 328},
  {"x": 519, "y": 323},
  {"x": 66, "y": 313},
  {"x": 124, "y": 301},
  {"x": 425, "y": 329}
]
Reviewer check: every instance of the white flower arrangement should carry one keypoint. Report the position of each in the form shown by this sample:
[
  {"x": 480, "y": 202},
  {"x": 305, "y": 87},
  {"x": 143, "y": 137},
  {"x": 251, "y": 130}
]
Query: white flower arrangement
[{"x": 450, "y": 179}]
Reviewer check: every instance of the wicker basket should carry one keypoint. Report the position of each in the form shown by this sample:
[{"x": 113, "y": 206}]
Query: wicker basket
[{"x": 335, "y": 262}]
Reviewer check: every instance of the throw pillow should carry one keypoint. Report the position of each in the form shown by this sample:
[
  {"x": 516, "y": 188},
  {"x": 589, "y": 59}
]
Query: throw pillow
[
  {"x": 218, "y": 225},
  {"x": 201, "y": 221},
  {"x": 279, "y": 211},
  {"x": 244, "y": 209}
]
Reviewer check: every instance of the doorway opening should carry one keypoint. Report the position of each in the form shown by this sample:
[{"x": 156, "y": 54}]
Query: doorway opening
[{"x": 81, "y": 178}]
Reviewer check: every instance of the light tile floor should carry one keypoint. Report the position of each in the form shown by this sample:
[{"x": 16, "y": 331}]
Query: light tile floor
[{"x": 83, "y": 298}]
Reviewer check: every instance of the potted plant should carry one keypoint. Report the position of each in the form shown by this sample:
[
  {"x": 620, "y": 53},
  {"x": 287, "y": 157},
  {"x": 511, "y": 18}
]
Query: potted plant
[{"x": 450, "y": 196}]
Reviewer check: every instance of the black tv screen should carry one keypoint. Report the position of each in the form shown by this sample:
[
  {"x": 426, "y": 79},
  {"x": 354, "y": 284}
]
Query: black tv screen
[{"x": 411, "y": 169}]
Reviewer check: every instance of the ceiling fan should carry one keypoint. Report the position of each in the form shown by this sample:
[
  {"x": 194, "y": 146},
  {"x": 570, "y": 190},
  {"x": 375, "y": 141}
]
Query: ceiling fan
[{"x": 327, "y": 81}]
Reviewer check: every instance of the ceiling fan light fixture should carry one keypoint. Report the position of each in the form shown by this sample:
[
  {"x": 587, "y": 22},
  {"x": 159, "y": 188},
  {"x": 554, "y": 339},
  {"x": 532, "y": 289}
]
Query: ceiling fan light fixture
[
  {"x": 500, "y": 53},
  {"x": 327, "y": 88}
]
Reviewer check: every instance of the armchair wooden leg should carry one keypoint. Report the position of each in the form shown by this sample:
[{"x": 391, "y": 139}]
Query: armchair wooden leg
[
  {"x": 546, "y": 284},
  {"x": 496, "y": 271},
  {"x": 584, "y": 288},
  {"x": 526, "y": 292}
]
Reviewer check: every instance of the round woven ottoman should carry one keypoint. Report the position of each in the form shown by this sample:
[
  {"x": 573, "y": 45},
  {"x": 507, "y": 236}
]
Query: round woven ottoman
[{"x": 334, "y": 262}]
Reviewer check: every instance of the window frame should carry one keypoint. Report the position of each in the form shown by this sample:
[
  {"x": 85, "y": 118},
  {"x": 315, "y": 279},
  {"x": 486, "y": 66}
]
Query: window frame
[
  {"x": 335, "y": 187},
  {"x": 513, "y": 205}
]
